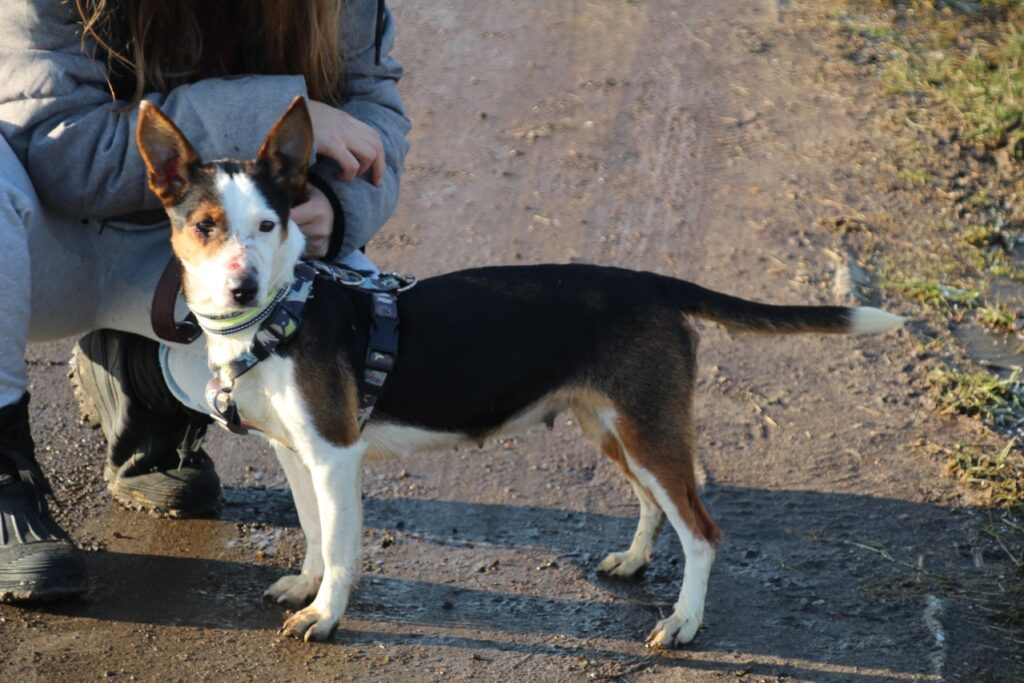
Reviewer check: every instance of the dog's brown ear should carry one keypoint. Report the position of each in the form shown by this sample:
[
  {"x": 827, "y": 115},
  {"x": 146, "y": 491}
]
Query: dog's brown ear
[
  {"x": 286, "y": 150},
  {"x": 168, "y": 155}
]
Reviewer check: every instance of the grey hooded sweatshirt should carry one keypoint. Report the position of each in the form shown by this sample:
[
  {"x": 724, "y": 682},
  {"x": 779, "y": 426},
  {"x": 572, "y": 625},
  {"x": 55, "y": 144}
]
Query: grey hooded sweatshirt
[{"x": 57, "y": 113}]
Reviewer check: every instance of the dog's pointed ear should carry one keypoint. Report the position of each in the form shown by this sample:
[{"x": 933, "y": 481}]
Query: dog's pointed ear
[
  {"x": 168, "y": 155},
  {"x": 285, "y": 152}
]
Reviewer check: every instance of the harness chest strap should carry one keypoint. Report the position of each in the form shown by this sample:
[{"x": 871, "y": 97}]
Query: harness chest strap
[{"x": 279, "y": 325}]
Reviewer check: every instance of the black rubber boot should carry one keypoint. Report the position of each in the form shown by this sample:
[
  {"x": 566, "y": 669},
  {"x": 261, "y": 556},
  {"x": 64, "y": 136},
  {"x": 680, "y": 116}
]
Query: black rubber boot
[
  {"x": 154, "y": 455},
  {"x": 37, "y": 560}
]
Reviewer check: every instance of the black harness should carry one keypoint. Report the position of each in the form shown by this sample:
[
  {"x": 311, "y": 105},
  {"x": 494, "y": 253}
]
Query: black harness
[{"x": 281, "y": 321}]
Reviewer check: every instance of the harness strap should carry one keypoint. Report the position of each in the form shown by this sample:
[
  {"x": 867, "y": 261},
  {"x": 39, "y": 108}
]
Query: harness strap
[
  {"x": 277, "y": 328},
  {"x": 282, "y": 322},
  {"x": 162, "y": 309},
  {"x": 381, "y": 351}
]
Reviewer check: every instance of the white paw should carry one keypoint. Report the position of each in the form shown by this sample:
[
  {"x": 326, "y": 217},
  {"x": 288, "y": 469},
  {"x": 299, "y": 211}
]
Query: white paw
[
  {"x": 310, "y": 623},
  {"x": 675, "y": 630},
  {"x": 622, "y": 565},
  {"x": 297, "y": 589}
]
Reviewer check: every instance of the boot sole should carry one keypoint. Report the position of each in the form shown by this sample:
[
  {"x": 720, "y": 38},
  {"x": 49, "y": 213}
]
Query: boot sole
[
  {"x": 43, "y": 591},
  {"x": 86, "y": 409},
  {"x": 53, "y": 574},
  {"x": 162, "y": 494}
]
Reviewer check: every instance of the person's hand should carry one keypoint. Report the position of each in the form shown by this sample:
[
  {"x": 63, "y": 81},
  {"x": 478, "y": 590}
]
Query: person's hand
[
  {"x": 355, "y": 145},
  {"x": 315, "y": 218}
]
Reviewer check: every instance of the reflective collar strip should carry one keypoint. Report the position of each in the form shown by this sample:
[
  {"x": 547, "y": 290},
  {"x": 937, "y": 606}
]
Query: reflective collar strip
[{"x": 238, "y": 322}]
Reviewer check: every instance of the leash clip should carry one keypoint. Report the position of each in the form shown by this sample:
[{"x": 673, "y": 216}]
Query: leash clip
[{"x": 223, "y": 408}]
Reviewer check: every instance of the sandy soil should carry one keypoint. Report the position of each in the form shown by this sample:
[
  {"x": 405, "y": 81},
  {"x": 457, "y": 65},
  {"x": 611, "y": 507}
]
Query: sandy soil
[{"x": 700, "y": 139}]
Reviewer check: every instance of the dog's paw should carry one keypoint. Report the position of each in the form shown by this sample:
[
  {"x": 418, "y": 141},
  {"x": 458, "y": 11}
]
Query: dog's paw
[
  {"x": 675, "y": 630},
  {"x": 623, "y": 565},
  {"x": 309, "y": 624},
  {"x": 297, "y": 589}
]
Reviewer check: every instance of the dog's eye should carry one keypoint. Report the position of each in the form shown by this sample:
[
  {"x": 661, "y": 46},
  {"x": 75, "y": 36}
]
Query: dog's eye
[
  {"x": 267, "y": 226},
  {"x": 205, "y": 227}
]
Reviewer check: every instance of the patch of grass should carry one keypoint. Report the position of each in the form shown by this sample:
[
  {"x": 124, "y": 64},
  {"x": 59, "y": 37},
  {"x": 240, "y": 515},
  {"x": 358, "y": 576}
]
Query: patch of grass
[
  {"x": 981, "y": 394},
  {"x": 998, "y": 472},
  {"x": 929, "y": 292},
  {"x": 998, "y": 318},
  {"x": 1000, "y": 403},
  {"x": 969, "y": 68},
  {"x": 1005, "y": 268},
  {"x": 917, "y": 176},
  {"x": 987, "y": 236}
]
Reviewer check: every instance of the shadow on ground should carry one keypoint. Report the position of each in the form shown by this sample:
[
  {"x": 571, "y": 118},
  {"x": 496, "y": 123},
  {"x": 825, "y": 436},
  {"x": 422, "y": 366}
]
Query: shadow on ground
[{"x": 793, "y": 564}]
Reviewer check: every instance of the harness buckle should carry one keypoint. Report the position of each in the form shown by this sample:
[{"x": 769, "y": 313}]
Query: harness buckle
[
  {"x": 380, "y": 360},
  {"x": 223, "y": 408},
  {"x": 385, "y": 306}
]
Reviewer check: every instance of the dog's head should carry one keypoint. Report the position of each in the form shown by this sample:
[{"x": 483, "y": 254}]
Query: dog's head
[{"x": 229, "y": 219}]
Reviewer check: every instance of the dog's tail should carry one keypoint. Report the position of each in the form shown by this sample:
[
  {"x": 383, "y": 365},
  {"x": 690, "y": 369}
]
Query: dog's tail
[{"x": 740, "y": 314}]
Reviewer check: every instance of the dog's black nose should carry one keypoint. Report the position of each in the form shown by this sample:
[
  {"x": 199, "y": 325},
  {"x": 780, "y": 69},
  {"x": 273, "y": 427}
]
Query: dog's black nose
[{"x": 245, "y": 292}]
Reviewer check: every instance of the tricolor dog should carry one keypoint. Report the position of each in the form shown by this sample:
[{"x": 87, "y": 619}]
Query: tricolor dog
[{"x": 483, "y": 352}]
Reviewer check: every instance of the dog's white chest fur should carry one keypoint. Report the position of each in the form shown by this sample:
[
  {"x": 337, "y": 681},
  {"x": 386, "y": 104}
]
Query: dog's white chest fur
[{"x": 268, "y": 396}]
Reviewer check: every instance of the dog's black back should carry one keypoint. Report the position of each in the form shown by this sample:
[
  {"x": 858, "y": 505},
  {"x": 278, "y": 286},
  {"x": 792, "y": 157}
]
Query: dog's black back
[{"x": 479, "y": 346}]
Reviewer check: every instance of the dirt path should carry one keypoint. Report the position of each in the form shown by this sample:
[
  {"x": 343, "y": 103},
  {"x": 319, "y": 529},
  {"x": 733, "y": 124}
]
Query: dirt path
[{"x": 699, "y": 139}]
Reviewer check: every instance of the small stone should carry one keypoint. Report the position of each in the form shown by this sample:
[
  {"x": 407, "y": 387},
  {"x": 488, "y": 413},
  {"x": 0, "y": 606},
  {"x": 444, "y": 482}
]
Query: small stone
[{"x": 485, "y": 567}]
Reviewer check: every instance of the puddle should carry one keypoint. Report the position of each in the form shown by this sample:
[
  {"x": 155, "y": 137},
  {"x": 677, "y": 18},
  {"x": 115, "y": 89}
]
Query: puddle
[{"x": 1001, "y": 352}]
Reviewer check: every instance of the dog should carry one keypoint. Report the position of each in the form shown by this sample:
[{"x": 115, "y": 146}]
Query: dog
[{"x": 483, "y": 352}]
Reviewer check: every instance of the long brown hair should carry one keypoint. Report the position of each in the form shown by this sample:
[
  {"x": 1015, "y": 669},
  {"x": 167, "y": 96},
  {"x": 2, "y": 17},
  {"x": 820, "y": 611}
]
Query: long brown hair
[{"x": 157, "y": 43}]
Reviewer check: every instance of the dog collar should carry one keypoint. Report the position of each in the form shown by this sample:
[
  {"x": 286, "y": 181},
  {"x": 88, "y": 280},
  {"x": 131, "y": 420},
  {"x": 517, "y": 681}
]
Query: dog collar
[
  {"x": 278, "y": 321},
  {"x": 232, "y": 323}
]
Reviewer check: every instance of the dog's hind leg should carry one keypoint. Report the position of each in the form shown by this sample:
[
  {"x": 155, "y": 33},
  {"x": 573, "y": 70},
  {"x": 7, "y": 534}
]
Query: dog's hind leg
[
  {"x": 627, "y": 563},
  {"x": 299, "y": 589},
  {"x": 666, "y": 469},
  {"x": 652, "y": 419}
]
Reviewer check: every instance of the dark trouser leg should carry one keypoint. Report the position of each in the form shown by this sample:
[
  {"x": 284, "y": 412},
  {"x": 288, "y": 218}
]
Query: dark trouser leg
[
  {"x": 154, "y": 455},
  {"x": 37, "y": 560}
]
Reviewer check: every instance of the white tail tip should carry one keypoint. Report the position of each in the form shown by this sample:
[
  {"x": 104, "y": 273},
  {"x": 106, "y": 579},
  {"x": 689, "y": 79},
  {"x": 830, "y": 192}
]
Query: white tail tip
[{"x": 868, "y": 320}]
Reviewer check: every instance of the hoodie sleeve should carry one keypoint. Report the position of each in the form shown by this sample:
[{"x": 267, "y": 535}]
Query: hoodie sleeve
[
  {"x": 57, "y": 113},
  {"x": 372, "y": 97}
]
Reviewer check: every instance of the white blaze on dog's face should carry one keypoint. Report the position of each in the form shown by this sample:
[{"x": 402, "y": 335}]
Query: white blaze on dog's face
[
  {"x": 229, "y": 219},
  {"x": 227, "y": 246}
]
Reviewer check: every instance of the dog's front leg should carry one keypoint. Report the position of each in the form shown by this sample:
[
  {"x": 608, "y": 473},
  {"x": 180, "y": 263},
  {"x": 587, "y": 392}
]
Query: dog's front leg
[
  {"x": 335, "y": 472},
  {"x": 299, "y": 589}
]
